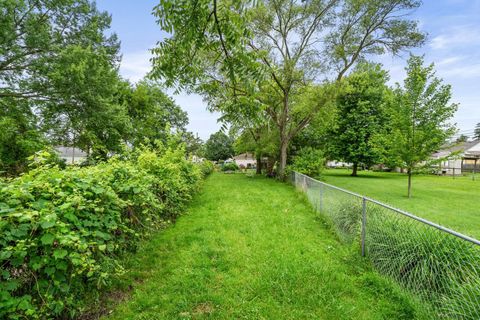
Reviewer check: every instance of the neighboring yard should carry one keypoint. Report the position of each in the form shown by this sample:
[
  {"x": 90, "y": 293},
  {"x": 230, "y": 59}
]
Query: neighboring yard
[
  {"x": 253, "y": 248},
  {"x": 450, "y": 202}
]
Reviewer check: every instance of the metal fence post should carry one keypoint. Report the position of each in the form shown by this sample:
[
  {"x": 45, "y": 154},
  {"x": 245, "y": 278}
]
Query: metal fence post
[
  {"x": 321, "y": 198},
  {"x": 364, "y": 224}
]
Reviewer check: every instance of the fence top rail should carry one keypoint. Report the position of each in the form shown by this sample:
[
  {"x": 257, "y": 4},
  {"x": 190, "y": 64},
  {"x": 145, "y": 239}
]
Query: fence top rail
[{"x": 400, "y": 211}]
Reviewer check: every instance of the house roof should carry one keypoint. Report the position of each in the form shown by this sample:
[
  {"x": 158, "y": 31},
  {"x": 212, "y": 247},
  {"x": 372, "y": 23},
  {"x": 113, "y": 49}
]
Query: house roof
[
  {"x": 463, "y": 148},
  {"x": 68, "y": 152},
  {"x": 245, "y": 156}
]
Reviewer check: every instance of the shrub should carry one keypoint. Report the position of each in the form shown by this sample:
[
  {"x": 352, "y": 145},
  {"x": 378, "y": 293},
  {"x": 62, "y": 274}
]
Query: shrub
[
  {"x": 206, "y": 167},
  {"x": 231, "y": 166},
  {"x": 309, "y": 161},
  {"x": 62, "y": 231}
]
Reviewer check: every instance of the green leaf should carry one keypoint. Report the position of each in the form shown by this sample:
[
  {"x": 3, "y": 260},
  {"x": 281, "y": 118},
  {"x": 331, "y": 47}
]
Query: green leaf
[
  {"x": 60, "y": 253},
  {"x": 47, "y": 239}
]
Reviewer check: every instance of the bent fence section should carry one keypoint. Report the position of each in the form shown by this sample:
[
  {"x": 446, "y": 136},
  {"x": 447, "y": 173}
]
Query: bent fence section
[{"x": 439, "y": 265}]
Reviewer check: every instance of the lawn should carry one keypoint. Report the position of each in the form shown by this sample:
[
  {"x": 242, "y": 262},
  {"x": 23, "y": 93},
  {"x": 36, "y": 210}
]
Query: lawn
[
  {"x": 253, "y": 248},
  {"x": 453, "y": 203}
]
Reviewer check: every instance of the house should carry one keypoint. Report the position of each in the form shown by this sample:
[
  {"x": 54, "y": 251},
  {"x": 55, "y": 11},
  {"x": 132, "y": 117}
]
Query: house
[
  {"x": 71, "y": 155},
  {"x": 459, "y": 158},
  {"x": 245, "y": 160}
]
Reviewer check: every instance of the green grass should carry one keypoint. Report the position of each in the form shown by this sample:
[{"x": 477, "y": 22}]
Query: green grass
[
  {"x": 450, "y": 202},
  {"x": 253, "y": 248}
]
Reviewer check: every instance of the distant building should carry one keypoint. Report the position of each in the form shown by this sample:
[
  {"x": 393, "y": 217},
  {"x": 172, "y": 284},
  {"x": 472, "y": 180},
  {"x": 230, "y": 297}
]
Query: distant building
[
  {"x": 459, "y": 158},
  {"x": 338, "y": 164},
  {"x": 246, "y": 160},
  {"x": 71, "y": 155}
]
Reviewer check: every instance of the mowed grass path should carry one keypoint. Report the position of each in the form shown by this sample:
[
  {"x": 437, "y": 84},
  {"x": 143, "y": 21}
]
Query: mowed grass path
[
  {"x": 252, "y": 248},
  {"x": 453, "y": 203}
]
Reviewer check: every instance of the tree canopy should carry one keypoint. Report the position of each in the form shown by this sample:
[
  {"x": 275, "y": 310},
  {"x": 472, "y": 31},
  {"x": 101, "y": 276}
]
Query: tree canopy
[
  {"x": 361, "y": 117},
  {"x": 260, "y": 57},
  {"x": 420, "y": 116}
]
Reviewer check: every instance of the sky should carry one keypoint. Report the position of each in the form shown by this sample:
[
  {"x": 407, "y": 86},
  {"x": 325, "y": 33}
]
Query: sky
[{"x": 453, "y": 45}]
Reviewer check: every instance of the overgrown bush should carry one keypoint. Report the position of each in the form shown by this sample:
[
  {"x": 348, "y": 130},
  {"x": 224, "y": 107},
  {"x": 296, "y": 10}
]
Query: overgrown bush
[
  {"x": 309, "y": 161},
  {"x": 206, "y": 167},
  {"x": 231, "y": 166},
  {"x": 62, "y": 231}
]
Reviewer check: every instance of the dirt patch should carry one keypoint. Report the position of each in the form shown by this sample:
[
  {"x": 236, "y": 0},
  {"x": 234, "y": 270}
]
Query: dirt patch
[{"x": 203, "y": 308}]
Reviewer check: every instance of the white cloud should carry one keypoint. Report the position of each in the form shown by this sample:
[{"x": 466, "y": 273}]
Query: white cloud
[
  {"x": 136, "y": 65},
  {"x": 464, "y": 35}
]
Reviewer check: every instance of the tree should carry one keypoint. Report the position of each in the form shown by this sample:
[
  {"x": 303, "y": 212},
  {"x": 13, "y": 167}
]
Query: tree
[
  {"x": 19, "y": 136},
  {"x": 476, "y": 134},
  {"x": 35, "y": 36},
  {"x": 57, "y": 62},
  {"x": 152, "y": 113},
  {"x": 219, "y": 147},
  {"x": 231, "y": 51},
  {"x": 462, "y": 138},
  {"x": 361, "y": 116},
  {"x": 420, "y": 116},
  {"x": 193, "y": 144},
  {"x": 88, "y": 113}
]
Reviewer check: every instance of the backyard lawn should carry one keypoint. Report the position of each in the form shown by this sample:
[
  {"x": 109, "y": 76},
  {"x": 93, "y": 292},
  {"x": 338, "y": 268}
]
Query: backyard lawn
[
  {"x": 453, "y": 203},
  {"x": 253, "y": 248}
]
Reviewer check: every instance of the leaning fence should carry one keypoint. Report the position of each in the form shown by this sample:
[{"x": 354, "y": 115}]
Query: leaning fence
[{"x": 440, "y": 266}]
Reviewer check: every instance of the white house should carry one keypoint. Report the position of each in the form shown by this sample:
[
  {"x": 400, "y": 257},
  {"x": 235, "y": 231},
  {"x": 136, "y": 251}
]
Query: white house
[
  {"x": 71, "y": 155},
  {"x": 459, "y": 158},
  {"x": 246, "y": 160}
]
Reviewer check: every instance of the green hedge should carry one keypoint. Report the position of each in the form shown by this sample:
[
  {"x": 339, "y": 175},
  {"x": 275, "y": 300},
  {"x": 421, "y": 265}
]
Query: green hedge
[{"x": 62, "y": 231}]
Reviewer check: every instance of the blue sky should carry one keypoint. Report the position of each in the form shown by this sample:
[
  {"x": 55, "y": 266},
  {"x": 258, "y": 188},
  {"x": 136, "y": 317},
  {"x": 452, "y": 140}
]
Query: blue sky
[{"x": 453, "y": 28}]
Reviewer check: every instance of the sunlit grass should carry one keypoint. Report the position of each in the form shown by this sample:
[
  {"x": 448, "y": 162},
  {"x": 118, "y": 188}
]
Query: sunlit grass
[
  {"x": 441, "y": 199},
  {"x": 252, "y": 248}
]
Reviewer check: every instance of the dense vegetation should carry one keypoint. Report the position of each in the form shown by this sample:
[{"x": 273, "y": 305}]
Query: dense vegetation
[
  {"x": 63, "y": 231},
  {"x": 60, "y": 86}
]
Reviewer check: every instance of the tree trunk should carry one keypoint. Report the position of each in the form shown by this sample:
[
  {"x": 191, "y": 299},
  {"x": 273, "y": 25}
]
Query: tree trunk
[
  {"x": 259, "y": 163},
  {"x": 409, "y": 172},
  {"x": 355, "y": 168},
  {"x": 283, "y": 158}
]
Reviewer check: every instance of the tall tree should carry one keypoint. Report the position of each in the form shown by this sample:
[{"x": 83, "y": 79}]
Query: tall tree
[
  {"x": 152, "y": 113},
  {"x": 420, "y": 116},
  {"x": 87, "y": 114},
  {"x": 35, "y": 35},
  {"x": 361, "y": 116},
  {"x": 20, "y": 136},
  {"x": 219, "y": 147},
  {"x": 236, "y": 49},
  {"x": 476, "y": 133}
]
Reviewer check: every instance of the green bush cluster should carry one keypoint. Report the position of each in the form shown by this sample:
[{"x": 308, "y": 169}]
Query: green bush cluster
[
  {"x": 62, "y": 231},
  {"x": 231, "y": 166},
  {"x": 309, "y": 161},
  {"x": 206, "y": 167}
]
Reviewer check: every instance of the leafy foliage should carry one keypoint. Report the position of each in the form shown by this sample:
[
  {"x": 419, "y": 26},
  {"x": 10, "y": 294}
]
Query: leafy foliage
[
  {"x": 231, "y": 166},
  {"x": 361, "y": 117},
  {"x": 309, "y": 161},
  {"x": 420, "y": 116},
  {"x": 62, "y": 231},
  {"x": 258, "y": 57},
  {"x": 219, "y": 147}
]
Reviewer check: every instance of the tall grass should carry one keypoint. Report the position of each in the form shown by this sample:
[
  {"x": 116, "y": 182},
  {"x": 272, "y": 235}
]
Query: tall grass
[{"x": 442, "y": 269}]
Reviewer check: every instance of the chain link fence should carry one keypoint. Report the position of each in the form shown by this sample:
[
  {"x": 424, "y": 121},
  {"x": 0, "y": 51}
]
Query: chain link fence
[{"x": 439, "y": 265}]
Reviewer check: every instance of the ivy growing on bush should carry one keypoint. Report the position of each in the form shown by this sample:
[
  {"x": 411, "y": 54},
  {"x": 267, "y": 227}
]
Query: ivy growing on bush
[{"x": 62, "y": 231}]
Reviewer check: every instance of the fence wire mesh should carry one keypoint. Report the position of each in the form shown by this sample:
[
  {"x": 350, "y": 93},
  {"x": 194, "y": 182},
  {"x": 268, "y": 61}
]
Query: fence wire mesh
[{"x": 438, "y": 265}]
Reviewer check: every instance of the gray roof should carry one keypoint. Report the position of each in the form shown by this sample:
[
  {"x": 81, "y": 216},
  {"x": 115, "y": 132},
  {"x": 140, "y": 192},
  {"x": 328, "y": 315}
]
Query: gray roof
[
  {"x": 68, "y": 152},
  {"x": 461, "y": 148}
]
